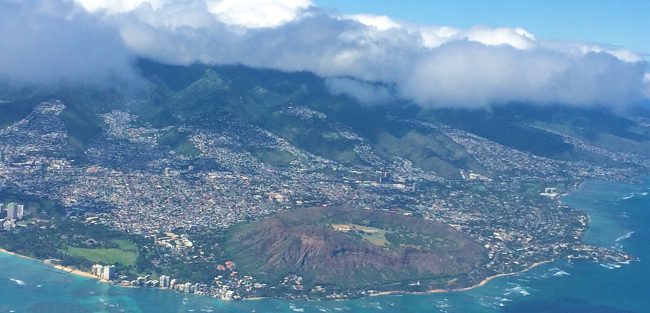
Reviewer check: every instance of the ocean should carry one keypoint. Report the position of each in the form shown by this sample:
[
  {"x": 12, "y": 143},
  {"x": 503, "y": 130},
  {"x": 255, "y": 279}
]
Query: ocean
[{"x": 619, "y": 216}]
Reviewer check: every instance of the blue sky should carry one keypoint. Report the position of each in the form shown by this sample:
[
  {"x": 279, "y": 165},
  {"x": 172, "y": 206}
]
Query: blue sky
[{"x": 623, "y": 23}]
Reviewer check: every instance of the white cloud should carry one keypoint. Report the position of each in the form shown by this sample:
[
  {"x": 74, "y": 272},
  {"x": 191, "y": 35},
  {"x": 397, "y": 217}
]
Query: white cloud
[
  {"x": 246, "y": 13},
  {"x": 432, "y": 65},
  {"x": 433, "y": 37},
  {"x": 517, "y": 38},
  {"x": 619, "y": 53},
  {"x": 471, "y": 74},
  {"x": 116, "y": 6},
  {"x": 362, "y": 91},
  {"x": 257, "y": 13},
  {"x": 380, "y": 22},
  {"x": 53, "y": 41}
]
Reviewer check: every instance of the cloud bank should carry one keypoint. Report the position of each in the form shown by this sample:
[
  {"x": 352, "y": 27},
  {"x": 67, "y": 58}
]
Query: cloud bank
[
  {"x": 53, "y": 41},
  {"x": 431, "y": 65}
]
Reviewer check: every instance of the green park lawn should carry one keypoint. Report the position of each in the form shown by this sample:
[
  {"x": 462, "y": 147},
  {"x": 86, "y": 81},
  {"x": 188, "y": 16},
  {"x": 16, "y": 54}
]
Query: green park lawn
[{"x": 126, "y": 254}]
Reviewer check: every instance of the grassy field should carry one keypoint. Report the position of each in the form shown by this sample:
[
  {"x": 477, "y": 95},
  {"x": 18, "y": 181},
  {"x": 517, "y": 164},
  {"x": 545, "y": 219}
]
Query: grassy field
[
  {"x": 274, "y": 157},
  {"x": 180, "y": 142},
  {"x": 394, "y": 239},
  {"x": 126, "y": 254},
  {"x": 373, "y": 235}
]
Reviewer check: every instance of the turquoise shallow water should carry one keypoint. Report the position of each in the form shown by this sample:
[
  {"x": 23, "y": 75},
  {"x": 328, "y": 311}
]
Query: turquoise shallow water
[{"x": 615, "y": 210}]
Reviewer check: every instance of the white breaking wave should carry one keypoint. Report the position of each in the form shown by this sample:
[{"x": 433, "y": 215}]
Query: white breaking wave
[
  {"x": 518, "y": 289},
  {"x": 628, "y": 235},
  {"x": 18, "y": 281},
  {"x": 561, "y": 273},
  {"x": 610, "y": 266}
]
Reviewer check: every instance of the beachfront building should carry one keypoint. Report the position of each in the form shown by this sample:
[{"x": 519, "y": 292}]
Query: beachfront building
[
  {"x": 165, "y": 281},
  {"x": 105, "y": 272},
  {"x": 109, "y": 272},
  {"x": 97, "y": 270}
]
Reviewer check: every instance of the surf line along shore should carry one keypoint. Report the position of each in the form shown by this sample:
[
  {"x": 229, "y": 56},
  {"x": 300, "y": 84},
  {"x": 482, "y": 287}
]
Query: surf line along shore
[
  {"x": 64, "y": 269},
  {"x": 70, "y": 270},
  {"x": 480, "y": 284}
]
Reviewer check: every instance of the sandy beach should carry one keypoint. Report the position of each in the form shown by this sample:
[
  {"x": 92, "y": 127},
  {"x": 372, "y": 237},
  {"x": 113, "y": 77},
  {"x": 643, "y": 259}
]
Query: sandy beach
[
  {"x": 489, "y": 279},
  {"x": 480, "y": 284},
  {"x": 62, "y": 268},
  {"x": 485, "y": 281},
  {"x": 74, "y": 271}
]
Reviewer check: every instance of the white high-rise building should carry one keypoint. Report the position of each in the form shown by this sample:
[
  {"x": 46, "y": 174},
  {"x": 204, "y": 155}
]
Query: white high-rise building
[
  {"x": 164, "y": 281},
  {"x": 97, "y": 270},
  {"x": 20, "y": 211},
  {"x": 109, "y": 272},
  {"x": 11, "y": 211}
]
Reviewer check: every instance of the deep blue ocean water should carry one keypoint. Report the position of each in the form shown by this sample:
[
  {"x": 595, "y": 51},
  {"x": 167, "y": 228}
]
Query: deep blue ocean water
[{"x": 619, "y": 215}]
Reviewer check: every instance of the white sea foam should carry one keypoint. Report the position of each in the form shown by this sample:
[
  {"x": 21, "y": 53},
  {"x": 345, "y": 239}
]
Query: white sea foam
[
  {"x": 443, "y": 306},
  {"x": 520, "y": 290},
  {"x": 628, "y": 235},
  {"x": 608, "y": 266},
  {"x": 18, "y": 281},
  {"x": 561, "y": 273},
  {"x": 501, "y": 302},
  {"x": 484, "y": 302}
]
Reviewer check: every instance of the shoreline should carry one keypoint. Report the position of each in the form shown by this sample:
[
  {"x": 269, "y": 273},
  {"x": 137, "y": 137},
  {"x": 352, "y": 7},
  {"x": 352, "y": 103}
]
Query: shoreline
[
  {"x": 61, "y": 268},
  {"x": 491, "y": 278},
  {"x": 575, "y": 187},
  {"x": 482, "y": 283}
]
